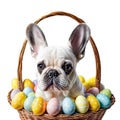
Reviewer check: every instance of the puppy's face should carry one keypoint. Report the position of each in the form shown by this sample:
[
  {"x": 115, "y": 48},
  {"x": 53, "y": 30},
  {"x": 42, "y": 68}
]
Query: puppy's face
[
  {"x": 56, "y": 68},
  {"x": 56, "y": 65}
]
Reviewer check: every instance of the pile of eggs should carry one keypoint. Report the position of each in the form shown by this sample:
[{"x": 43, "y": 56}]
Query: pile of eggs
[{"x": 26, "y": 99}]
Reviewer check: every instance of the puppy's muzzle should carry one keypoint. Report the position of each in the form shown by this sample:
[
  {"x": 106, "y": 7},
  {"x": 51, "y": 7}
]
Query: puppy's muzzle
[{"x": 50, "y": 78}]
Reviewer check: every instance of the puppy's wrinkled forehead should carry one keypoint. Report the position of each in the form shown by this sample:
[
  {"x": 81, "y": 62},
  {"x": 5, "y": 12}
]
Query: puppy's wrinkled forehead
[{"x": 55, "y": 55}]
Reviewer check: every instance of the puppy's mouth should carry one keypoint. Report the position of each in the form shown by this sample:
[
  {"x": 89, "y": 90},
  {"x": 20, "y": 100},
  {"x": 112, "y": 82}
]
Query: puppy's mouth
[
  {"x": 52, "y": 85},
  {"x": 52, "y": 80}
]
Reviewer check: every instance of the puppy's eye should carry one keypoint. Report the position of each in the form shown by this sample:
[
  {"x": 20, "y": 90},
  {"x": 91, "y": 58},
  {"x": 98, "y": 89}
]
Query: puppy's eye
[
  {"x": 41, "y": 66},
  {"x": 67, "y": 67}
]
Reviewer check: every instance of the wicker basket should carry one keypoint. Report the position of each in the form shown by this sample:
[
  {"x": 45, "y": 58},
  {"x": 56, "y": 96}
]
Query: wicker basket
[{"x": 25, "y": 115}]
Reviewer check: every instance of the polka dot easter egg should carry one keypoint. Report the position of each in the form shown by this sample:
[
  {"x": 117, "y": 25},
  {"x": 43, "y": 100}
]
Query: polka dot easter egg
[
  {"x": 94, "y": 104},
  {"x": 38, "y": 106}
]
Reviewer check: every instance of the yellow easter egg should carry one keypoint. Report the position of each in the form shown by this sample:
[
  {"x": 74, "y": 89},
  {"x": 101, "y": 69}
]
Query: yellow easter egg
[
  {"x": 82, "y": 104},
  {"x": 28, "y": 83},
  {"x": 86, "y": 85},
  {"x": 81, "y": 78},
  {"x": 92, "y": 81},
  {"x": 38, "y": 106},
  {"x": 14, "y": 83},
  {"x": 18, "y": 100},
  {"x": 94, "y": 104}
]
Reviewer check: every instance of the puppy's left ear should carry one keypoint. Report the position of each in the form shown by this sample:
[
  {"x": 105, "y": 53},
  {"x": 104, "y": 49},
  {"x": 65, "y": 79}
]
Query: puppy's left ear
[{"x": 79, "y": 39}]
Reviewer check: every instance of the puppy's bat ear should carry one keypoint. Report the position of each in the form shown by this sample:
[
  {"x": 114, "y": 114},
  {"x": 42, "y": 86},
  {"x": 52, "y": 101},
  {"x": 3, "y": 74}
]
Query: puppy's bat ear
[
  {"x": 79, "y": 39},
  {"x": 36, "y": 38}
]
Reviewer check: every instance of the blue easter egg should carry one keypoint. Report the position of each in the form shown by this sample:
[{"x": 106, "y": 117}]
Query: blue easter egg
[
  {"x": 104, "y": 100},
  {"x": 27, "y": 90},
  {"x": 28, "y": 103},
  {"x": 68, "y": 106}
]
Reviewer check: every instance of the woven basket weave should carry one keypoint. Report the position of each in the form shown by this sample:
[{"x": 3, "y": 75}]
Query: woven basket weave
[{"x": 25, "y": 115}]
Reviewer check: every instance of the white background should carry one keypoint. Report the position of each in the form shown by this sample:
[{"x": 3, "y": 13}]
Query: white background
[{"x": 103, "y": 17}]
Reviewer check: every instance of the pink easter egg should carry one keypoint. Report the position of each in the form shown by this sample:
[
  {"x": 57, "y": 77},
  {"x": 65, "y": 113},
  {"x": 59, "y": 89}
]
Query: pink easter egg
[
  {"x": 93, "y": 90},
  {"x": 35, "y": 88},
  {"x": 53, "y": 107}
]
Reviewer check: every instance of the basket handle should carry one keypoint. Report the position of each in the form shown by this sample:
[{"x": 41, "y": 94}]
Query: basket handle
[{"x": 95, "y": 50}]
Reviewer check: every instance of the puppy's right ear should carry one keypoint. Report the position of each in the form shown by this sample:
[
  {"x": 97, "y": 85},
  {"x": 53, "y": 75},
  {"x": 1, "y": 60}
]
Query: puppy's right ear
[{"x": 36, "y": 38}]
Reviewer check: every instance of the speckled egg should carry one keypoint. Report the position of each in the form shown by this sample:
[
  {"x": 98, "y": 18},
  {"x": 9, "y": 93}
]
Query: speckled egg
[
  {"x": 106, "y": 92},
  {"x": 68, "y": 106},
  {"x": 94, "y": 104},
  {"x": 53, "y": 107},
  {"x": 38, "y": 106},
  {"x": 93, "y": 90},
  {"x": 14, "y": 91},
  {"x": 82, "y": 104},
  {"x": 103, "y": 100},
  {"x": 27, "y": 90},
  {"x": 18, "y": 100},
  {"x": 28, "y": 103},
  {"x": 28, "y": 83}
]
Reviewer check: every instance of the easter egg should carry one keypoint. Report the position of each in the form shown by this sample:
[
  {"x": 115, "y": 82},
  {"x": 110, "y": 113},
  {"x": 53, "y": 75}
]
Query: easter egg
[
  {"x": 38, "y": 106},
  {"x": 94, "y": 104},
  {"x": 15, "y": 83},
  {"x": 106, "y": 92},
  {"x": 28, "y": 103},
  {"x": 28, "y": 83},
  {"x": 53, "y": 106},
  {"x": 81, "y": 78},
  {"x": 92, "y": 81},
  {"x": 31, "y": 94},
  {"x": 18, "y": 100},
  {"x": 93, "y": 90},
  {"x": 14, "y": 91},
  {"x": 68, "y": 106},
  {"x": 35, "y": 82},
  {"x": 103, "y": 100},
  {"x": 27, "y": 90},
  {"x": 82, "y": 104},
  {"x": 86, "y": 85}
]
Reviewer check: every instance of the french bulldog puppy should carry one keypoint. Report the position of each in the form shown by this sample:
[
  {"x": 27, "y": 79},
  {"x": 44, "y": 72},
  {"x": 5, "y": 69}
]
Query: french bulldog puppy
[{"x": 56, "y": 66}]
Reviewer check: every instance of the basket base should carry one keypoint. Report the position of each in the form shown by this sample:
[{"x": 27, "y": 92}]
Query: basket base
[{"x": 24, "y": 115}]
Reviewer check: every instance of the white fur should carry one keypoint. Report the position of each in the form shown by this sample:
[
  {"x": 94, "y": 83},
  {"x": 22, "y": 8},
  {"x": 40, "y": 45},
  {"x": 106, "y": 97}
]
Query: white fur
[{"x": 53, "y": 58}]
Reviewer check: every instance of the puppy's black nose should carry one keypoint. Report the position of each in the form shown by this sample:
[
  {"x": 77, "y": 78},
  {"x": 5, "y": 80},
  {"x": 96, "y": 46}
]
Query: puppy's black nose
[{"x": 53, "y": 73}]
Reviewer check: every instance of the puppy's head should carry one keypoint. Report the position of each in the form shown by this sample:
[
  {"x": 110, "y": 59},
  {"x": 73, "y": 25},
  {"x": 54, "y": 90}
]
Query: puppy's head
[{"x": 56, "y": 65}]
